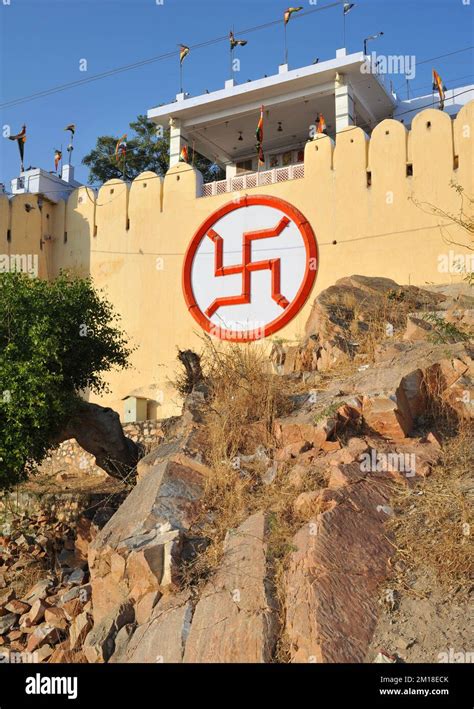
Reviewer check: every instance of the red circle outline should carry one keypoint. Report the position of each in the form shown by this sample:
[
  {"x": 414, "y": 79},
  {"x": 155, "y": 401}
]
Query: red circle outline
[{"x": 311, "y": 247}]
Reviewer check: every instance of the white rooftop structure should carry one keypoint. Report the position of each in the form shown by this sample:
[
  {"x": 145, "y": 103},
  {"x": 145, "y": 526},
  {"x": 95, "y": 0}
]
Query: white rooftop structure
[
  {"x": 455, "y": 99},
  {"x": 221, "y": 125},
  {"x": 347, "y": 90},
  {"x": 48, "y": 184}
]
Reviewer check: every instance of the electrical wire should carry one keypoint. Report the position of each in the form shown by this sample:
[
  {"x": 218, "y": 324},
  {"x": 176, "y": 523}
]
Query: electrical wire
[{"x": 151, "y": 60}]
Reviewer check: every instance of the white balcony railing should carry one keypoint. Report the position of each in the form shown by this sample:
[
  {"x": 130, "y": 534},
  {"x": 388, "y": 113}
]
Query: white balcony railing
[{"x": 253, "y": 179}]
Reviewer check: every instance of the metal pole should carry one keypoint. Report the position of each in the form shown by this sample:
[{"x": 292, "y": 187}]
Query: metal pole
[
  {"x": 72, "y": 148},
  {"x": 286, "y": 45},
  {"x": 344, "y": 28}
]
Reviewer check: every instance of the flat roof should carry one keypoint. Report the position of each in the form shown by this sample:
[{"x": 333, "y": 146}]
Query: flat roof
[{"x": 215, "y": 121}]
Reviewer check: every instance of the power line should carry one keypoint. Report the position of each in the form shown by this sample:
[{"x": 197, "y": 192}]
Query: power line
[
  {"x": 440, "y": 56},
  {"x": 282, "y": 248},
  {"x": 169, "y": 55},
  {"x": 144, "y": 62}
]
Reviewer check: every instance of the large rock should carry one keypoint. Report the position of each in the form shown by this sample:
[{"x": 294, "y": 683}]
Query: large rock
[
  {"x": 344, "y": 313},
  {"x": 407, "y": 381},
  {"x": 138, "y": 551},
  {"x": 333, "y": 576},
  {"x": 162, "y": 639},
  {"x": 99, "y": 645},
  {"x": 235, "y": 617}
]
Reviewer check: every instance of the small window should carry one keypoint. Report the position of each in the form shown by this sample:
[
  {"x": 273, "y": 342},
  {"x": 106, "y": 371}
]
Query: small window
[
  {"x": 409, "y": 169},
  {"x": 456, "y": 162},
  {"x": 369, "y": 178},
  {"x": 65, "y": 237},
  {"x": 9, "y": 235}
]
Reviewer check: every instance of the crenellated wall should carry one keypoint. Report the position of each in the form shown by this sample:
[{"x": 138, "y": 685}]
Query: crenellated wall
[{"x": 370, "y": 203}]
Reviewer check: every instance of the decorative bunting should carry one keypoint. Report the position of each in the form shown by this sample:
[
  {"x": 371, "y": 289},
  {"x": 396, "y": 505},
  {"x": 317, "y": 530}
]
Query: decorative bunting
[
  {"x": 236, "y": 42},
  {"x": 184, "y": 154},
  {"x": 289, "y": 12},
  {"x": 71, "y": 127},
  {"x": 57, "y": 158},
  {"x": 259, "y": 136},
  {"x": 183, "y": 53},
  {"x": 20, "y": 139},
  {"x": 347, "y": 7},
  {"x": 321, "y": 124},
  {"x": 121, "y": 147},
  {"x": 439, "y": 87}
]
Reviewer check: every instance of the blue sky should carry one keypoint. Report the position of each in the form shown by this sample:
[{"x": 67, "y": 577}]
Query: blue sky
[{"x": 43, "y": 41}]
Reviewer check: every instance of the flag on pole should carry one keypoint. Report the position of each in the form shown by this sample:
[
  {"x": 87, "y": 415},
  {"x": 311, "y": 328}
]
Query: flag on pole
[
  {"x": 439, "y": 87},
  {"x": 20, "y": 139},
  {"x": 259, "y": 136},
  {"x": 57, "y": 158},
  {"x": 236, "y": 42},
  {"x": 289, "y": 12},
  {"x": 347, "y": 7},
  {"x": 184, "y": 154},
  {"x": 321, "y": 124},
  {"x": 121, "y": 147},
  {"x": 71, "y": 127},
  {"x": 183, "y": 53}
]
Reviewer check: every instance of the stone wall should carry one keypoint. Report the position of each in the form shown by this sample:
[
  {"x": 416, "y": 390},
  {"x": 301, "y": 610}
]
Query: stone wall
[
  {"x": 381, "y": 206},
  {"x": 70, "y": 460}
]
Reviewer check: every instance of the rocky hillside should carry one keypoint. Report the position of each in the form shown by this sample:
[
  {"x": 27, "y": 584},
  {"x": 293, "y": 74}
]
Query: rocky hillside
[{"x": 272, "y": 523}]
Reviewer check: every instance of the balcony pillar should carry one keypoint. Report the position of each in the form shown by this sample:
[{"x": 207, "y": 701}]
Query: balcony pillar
[
  {"x": 176, "y": 141},
  {"x": 344, "y": 103}
]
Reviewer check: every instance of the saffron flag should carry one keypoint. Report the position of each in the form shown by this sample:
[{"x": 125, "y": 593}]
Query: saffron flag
[
  {"x": 20, "y": 139},
  {"x": 183, "y": 52},
  {"x": 121, "y": 147},
  {"x": 259, "y": 136},
  {"x": 236, "y": 42},
  {"x": 347, "y": 7},
  {"x": 289, "y": 12},
  {"x": 71, "y": 127},
  {"x": 57, "y": 158},
  {"x": 184, "y": 154},
  {"x": 321, "y": 124},
  {"x": 439, "y": 87}
]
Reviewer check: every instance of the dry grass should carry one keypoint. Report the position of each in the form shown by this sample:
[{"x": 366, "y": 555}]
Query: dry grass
[
  {"x": 245, "y": 399},
  {"x": 22, "y": 582},
  {"x": 431, "y": 527}
]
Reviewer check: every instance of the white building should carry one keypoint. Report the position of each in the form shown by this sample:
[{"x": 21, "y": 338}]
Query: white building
[
  {"x": 48, "y": 184},
  {"x": 221, "y": 125}
]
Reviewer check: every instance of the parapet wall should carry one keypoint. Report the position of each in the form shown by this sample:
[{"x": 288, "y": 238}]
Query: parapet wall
[{"x": 377, "y": 207}]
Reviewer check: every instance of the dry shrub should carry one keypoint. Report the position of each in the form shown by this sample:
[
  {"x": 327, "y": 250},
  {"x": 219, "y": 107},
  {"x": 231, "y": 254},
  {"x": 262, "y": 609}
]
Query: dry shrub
[
  {"x": 245, "y": 399},
  {"x": 431, "y": 527},
  {"x": 244, "y": 390}
]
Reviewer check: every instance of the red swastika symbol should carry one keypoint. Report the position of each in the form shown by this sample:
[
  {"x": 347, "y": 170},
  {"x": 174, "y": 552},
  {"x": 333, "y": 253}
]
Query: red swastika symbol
[{"x": 247, "y": 266}]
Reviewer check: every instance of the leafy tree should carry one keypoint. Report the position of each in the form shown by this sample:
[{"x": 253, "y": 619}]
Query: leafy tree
[
  {"x": 56, "y": 340},
  {"x": 145, "y": 151}
]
